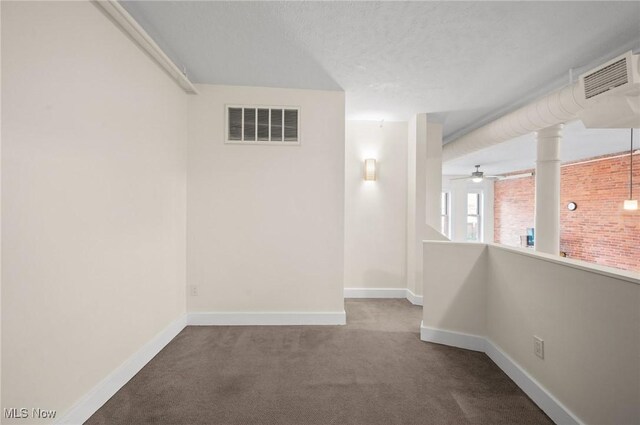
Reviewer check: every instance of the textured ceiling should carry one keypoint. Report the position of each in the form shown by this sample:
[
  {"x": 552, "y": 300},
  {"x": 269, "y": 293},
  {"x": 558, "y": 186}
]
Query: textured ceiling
[
  {"x": 466, "y": 61},
  {"x": 518, "y": 154}
]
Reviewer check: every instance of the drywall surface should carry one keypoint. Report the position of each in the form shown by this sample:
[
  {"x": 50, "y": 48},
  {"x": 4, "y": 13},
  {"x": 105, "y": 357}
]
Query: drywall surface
[
  {"x": 416, "y": 133},
  {"x": 424, "y": 185},
  {"x": 375, "y": 211},
  {"x": 0, "y": 210},
  {"x": 454, "y": 297},
  {"x": 587, "y": 315},
  {"x": 266, "y": 223},
  {"x": 590, "y": 326},
  {"x": 93, "y": 201},
  {"x": 396, "y": 58}
]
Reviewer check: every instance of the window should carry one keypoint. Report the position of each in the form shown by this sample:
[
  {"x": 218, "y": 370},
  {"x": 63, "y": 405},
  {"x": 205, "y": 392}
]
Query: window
[
  {"x": 263, "y": 125},
  {"x": 474, "y": 222},
  {"x": 445, "y": 215}
]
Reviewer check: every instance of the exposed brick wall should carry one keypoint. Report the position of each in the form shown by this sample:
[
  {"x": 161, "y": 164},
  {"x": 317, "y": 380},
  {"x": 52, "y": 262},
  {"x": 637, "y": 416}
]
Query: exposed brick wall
[
  {"x": 513, "y": 209},
  {"x": 599, "y": 231}
]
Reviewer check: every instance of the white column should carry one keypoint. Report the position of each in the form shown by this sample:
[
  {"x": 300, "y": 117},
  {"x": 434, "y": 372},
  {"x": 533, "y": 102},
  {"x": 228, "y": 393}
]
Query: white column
[
  {"x": 547, "y": 221},
  {"x": 433, "y": 178},
  {"x": 413, "y": 266},
  {"x": 423, "y": 198},
  {"x": 459, "y": 210}
]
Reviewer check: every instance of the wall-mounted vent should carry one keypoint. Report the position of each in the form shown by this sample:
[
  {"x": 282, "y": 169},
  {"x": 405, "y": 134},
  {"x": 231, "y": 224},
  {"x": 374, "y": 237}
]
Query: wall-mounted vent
[
  {"x": 606, "y": 78},
  {"x": 276, "y": 125},
  {"x": 618, "y": 77}
]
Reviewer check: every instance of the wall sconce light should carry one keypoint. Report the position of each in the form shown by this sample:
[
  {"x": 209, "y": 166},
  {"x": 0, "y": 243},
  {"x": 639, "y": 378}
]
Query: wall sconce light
[
  {"x": 370, "y": 169},
  {"x": 631, "y": 204}
]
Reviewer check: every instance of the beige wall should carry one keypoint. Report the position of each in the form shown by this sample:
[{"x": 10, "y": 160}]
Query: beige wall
[
  {"x": 265, "y": 223},
  {"x": 590, "y": 324},
  {"x": 375, "y": 211},
  {"x": 0, "y": 207},
  {"x": 588, "y": 317},
  {"x": 455, "y": 287},
  {"x": 93, "y": 201},
  {"x": 413, "y": 229}
]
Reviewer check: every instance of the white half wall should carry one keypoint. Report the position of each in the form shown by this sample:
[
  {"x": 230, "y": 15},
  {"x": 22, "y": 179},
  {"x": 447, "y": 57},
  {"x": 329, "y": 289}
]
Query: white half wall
[
  {"x": 587, "y": 315},
  {"x": 455, "y": 275},
  {"x": 266, "y": 223},
  {"x": 375, "y": 211},
  {"x": 94, "y": 139},
  {"x": 590, "y": 324}
]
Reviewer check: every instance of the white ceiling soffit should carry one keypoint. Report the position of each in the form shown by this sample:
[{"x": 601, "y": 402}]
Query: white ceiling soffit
[
  {"x": 468, "y": 62},
  {"x": 517, "y": 154}
]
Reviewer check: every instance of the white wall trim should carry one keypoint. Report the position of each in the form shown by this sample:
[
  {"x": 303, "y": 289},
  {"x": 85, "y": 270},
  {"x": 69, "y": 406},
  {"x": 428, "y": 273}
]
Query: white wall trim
[
  {"x": 105, "y": 389},
  {"x": 126, "y": 23},
  {"x": 375, "y": 293},
  {"x": 559, "y": 413},
  {"x": 413, "y": 298},
  {"x": 629, "y": 276},
  {"x": 390, "y": 293},
  {"x": 454, "y": 339},
  {"x": 266, "y": 319}
]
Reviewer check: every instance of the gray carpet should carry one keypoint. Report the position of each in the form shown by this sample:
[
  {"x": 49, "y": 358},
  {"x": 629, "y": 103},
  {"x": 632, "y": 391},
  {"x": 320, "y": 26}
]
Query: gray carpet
[{"x": 374, "y": 370}]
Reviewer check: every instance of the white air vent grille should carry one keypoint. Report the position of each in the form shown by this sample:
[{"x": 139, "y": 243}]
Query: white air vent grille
[
  {"x": 605, "y": 79},
  {"x": 263, "y": 125}
]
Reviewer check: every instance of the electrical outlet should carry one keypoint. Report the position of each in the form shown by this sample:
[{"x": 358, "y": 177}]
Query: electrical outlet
[
  {"x": 538, "y": 347},
  {"x": 193, "y": 290}
]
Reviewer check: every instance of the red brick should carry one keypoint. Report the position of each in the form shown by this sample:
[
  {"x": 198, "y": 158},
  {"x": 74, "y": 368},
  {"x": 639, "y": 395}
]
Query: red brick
[{"x": 599, "y": 231}]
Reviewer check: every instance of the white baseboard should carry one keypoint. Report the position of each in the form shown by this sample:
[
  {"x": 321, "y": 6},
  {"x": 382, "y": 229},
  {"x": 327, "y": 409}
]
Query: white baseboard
[
  {"x": 543, "y": 398},
  {"x": 413, "y": 298},
  {"x": 454, "y": 339},
  {"x": 383, "y": 293},
  {"x": 266, "y": 319},
  {"x": 375, "y": 293},
  {"x": 539, "y": 394},
  {"x": 105, "y": 389}
]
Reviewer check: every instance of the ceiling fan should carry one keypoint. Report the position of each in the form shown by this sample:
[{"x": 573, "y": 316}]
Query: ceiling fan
[{"x": 477, "y": 176}]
